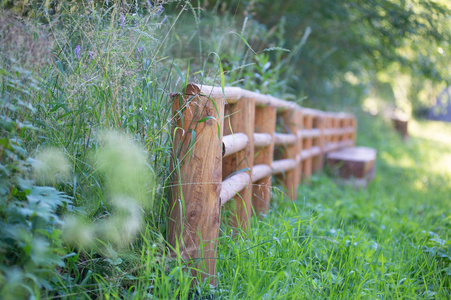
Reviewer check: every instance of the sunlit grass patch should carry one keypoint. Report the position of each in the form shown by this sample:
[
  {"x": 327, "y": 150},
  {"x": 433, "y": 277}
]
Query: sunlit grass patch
[
  {"x": 434, "y": 131},
  {"x": 389, "y": 241}
]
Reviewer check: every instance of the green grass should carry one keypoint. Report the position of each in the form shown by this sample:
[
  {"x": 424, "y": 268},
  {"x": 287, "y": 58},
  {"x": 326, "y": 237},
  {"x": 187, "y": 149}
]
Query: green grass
[{"x": 388, "y": 241}]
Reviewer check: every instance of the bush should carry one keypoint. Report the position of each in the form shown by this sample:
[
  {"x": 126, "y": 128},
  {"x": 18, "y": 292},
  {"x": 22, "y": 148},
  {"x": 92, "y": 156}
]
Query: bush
[{"x": 30, "y": 235}]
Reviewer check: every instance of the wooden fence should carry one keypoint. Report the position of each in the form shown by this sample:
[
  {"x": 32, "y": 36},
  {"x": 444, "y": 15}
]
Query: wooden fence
[{"x": 227, "y": 145}]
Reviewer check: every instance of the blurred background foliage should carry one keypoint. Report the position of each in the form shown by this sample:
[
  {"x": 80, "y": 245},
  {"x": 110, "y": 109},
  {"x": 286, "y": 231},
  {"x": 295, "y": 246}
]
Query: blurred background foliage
[
  {"x": 355, "y": 48},
  {"x": 350, "y": 49}
]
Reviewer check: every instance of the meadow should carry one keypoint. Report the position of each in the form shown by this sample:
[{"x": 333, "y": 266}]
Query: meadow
[{"x": 85, "y": 162}]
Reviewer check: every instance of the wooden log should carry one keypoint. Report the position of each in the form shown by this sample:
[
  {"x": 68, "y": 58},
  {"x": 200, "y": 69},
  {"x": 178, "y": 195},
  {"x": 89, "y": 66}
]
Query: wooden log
[
  {"x": 305, "y": 153},
  {"x": 307, "y": 144},
  {"x": 349, "y": 129},
  {"x": 318, "y": 160},
  {"x": 260, "y": 171},
  {"x": 283, "y": 139},
  {"x": 265, "y": 123},
  {"x": 233, "y": 185},
  {"x": 341, "y": 125},
  {"x": 336, "y": 129},
  {"x": 269, "y": 100},
  {"x": 354, "y": 130},
  {"x": 240, "y": 117},
  {"x": 311, "y": 112},
  {"x": 293, "y": 122},
  {"x": 400, "y": 125},
  {"x": 283, "y": 165},
  {"x": 233, "y": 95},
  {"x": 315, "y": 151},
  {"x": 346, "y": 123},
  {"x": 228, "y": 95},
  {"x": 194, "y": 206},
  {"x": 310, "y": 133},
  {"x": 328, "y": 126},
  {"x": 332, "y": 132},
  {"x": 262, "y": 139},
  {"x": 309, "y": 153},
  {"x": 233, "y": 143},
  {"x": 338, "y": 132},
  {"x": 352, "y": 162}
]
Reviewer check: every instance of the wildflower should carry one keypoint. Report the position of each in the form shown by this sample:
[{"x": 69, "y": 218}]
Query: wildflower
[
  {"x": 138, "y": 51},
  {"x": 150, "y": 4},
  {"x": 164, "y": 20},
  {"x": 91, "y": 55},
  {"x": 77, "y": 51},
  {"x": 122, "y": 22},
  {"x": 160, "y": 10},
  {"x": 136, "y": 23}
]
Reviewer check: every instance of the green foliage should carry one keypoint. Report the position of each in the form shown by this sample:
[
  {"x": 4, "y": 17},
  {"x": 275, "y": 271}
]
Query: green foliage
[
  {"x": 127, "y": 180},
  {"x": 30, "y": 235},
  {"x": 108, "y": 74},
  {"x": 359, "y": 37}
]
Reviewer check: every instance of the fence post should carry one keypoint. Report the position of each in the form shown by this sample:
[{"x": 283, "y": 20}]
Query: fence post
[
  {"x": 293, "y": 122},
  {"x": 307, "y": 144},
  {"x": 194, "y": 205},
  {"x": 319, "y": 123},
  {"x": 336, "y": 126},
  {"x": 343, "y": 124},
  {"x": 265, "y": 122},
  {"x": 354, "y": 127},
  {"x": 240, "y": 117}
]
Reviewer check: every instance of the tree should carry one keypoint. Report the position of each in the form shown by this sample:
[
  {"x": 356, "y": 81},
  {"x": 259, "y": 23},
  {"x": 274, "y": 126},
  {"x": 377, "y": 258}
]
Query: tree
[{"x": 360, "y": 37}]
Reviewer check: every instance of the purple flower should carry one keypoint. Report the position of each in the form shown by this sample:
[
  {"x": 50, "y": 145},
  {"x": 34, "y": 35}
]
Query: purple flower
[
  {"x": 164, "y": 20},
  {"x": 77, "y": 51},
  {"x": 160, "y": 10},
  {"x": 122, "y": 22},
  {"x": 136, "y": 23},
  {"x": 150, "y": 4},
  {"x": 91, "y": 55},
  {"x": 140, "y": 49}
]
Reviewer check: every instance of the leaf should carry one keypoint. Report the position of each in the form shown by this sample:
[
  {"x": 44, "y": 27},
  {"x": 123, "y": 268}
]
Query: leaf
[
  {"x": 222, "y": 78},
  {"x": 114, "y": 262},
  {"x": 179, "y": 73},
  {"x": 187, "y": 76},
  {"x": 239, "y": 171},
  {"x": 192, "y": 142},
  {"x": 243, "y": 39},
  {"x": 205, "y": 119},
  {"x": 276, "y": 49},
  {"x": 25, "y": 184}
]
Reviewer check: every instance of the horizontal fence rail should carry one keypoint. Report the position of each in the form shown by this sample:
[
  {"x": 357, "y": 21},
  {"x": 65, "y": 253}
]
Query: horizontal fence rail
[{"x": 227, "y": 143}]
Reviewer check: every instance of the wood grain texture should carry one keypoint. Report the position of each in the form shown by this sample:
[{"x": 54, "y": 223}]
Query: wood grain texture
[
  {"x": 240, "y": 118},
  {"x": 350, "y": 162},
  {"x": 194, "y": 205},
  {"x": 401, "y": 125},
  {"x": 293, "y": 123},
  {"x": 318, "y": 160},
  {"x": 233, "y": 143},
  {"x": 306, "y": 145},
  {"x": 354, "y": 132},
  {"x": 265, "y": 122},
  {"x": 262, "y": 139}
]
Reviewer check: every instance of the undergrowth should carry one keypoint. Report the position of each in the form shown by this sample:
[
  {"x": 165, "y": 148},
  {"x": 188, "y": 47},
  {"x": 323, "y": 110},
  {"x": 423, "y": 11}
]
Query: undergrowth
[{"x": 391, "y": 240}]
